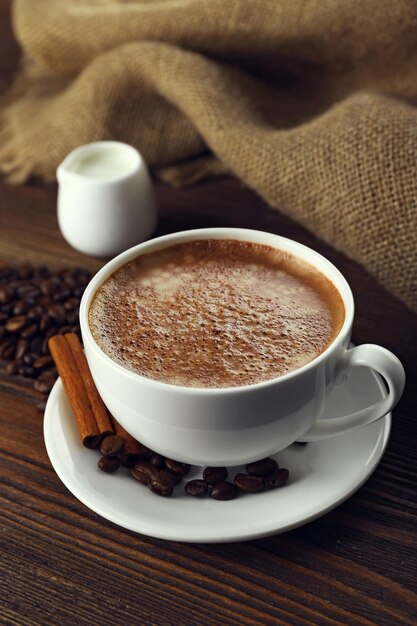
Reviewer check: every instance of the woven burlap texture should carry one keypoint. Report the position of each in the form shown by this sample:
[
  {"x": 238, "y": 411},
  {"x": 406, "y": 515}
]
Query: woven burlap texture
[{"x": 309, "y": 102}]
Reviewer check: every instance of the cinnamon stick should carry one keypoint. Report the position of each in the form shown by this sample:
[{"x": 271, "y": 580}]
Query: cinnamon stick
[
  {"x": 98, "y": 407},
  {"x": 78, "y": 384}
]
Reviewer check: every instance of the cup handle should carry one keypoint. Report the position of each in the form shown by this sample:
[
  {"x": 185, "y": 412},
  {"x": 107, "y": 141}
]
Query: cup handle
[{"x": 383, "y": 362}]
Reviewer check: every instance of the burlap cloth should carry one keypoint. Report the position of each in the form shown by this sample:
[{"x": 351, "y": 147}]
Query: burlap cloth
[{"x": 309, "y": 102}]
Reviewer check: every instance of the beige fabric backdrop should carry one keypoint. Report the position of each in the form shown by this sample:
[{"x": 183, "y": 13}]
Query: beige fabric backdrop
[{"x": 310, "y": 102}]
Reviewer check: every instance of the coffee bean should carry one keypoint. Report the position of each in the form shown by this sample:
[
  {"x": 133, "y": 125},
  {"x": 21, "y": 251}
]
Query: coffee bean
[
  {"x": 224, "y": 491},
  {"x": 262, "y": 467},
  {"x": 72, "y": 317},
  {"x": 214, "y": 475},
  {"x": 71, "y": 304},
  {"x": 139, "y": 476},
  {"x": 5, "y": 294},
  {"x": 197, "y": 488},
  {"x": 64, "y": 330},
  {"x": 45, "y": 323},
  {"x": 57, "y": 313},
  {"x": 78, "y": 291},
  {"x": 29, "y": 358},
  {"x": 28, "y": 291},
  {"x": 112, "y": 445},
  {"x": 29, "y": 332},
  {"x": 160, "y": 488},
  {"x": 60, "y": 295},
  {"x": 35, "y": 312},
  {"x": 26, "y": 370},
  {"x": 43, "y": 386},
  {"x": 41, "y": 406},
  {"x": 64, "y": 292},
  {"x": 36, "y": 345},
  {"x": 48, "y": 375},
  {"x": 12, "y": 366},
  {"x": 3, "y": 347},
  {"x": 48, "y": 286},
  {"x": 45, "y": 347},
  {"x": 16, "y": 324},
  {"x": 278, "y": 479},
  {"x": 109, "y": 464},
  {"x": 169, "y": 478},
  {"x": 22, "y": 306},
  {"x": 21, "y": 348},
  {"x": 3, "y": 331},
  {"x": 9, "y": 352},
  {"x": 70, "y": 281},
  {"x": 248, "y": 483},
  {"x": 176, "y": 467},
  {"x": 157, "y": 460},
  {"x": 42, "y": 363},
  {"x": 148, "y": 469}
]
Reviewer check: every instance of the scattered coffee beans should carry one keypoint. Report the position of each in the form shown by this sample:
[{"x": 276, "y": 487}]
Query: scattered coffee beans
[
  {"x": 162, "y": 475},
  {"x": 160, "y": 488},
  {"x": 277, "y": 479},
  {"x": 157, "y": 460},
  {"x": 262, "y": 467},
  {"x": 248, "y": 483},
  {"x": 36, "y": 303},
  {"x": 111, "y": 446},
  {"x": 109, "y": 464},
  {"x": 197, "y": 488},
  {"x": 224, "y": 491},
  {"x": 146, "y": 468},
  {"x": 169, "y": 478},
  {"x": 214, "y": 475},
  {"x": 139, "y": 476},
  {"x": 177, "y": 468}
]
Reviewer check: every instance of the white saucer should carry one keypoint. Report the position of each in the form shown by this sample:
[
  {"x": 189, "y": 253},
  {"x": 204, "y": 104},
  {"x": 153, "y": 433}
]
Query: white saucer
[{"x": 322, "y": 475}]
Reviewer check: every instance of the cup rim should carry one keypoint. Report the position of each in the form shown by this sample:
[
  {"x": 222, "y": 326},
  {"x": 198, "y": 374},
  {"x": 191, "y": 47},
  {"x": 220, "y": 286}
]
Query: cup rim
[
  {"x": 110, "y": 180},
  {"x": 239, "y": 234}
]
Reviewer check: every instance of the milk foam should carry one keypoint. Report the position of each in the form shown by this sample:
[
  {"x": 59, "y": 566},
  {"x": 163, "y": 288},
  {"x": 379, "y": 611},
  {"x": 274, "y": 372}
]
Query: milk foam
[{"x": 215, "y": 313}]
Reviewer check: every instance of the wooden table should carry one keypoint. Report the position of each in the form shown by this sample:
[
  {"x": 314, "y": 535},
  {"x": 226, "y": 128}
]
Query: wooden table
[{"x": 60, "y": 563}]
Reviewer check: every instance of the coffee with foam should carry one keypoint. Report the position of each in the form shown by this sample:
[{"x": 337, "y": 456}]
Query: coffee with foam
[{"x": 215, "y": 313}]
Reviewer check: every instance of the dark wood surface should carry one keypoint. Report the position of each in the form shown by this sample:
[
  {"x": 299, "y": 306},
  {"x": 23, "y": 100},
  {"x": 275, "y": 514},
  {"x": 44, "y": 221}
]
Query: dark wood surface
[{"x": 60, "y": 563}]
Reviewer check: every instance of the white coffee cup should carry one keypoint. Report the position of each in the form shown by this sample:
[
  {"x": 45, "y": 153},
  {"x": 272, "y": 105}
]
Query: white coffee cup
[
  {"x": 106, "y": 201},
  {"x": 230, "y": 426}
]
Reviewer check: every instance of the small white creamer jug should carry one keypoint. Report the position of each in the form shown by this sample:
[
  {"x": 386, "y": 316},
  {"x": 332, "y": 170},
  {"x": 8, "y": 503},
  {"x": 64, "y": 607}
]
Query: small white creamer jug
[{"x": 106, "y": 200}]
